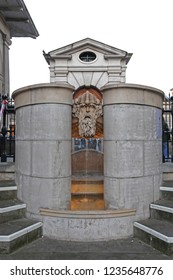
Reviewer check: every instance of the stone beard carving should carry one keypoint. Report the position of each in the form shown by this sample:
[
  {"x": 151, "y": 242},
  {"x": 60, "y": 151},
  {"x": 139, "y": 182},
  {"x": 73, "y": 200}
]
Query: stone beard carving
[{"x": 87, "y": 108}]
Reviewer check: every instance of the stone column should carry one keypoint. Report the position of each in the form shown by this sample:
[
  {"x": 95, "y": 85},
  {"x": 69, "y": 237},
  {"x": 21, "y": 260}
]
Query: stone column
[
  {"x": 6, "y": 44},
  {"x": 43, "y": 146},
  {"x": 132, "y": 146},
  {"x": 4, "y": 63}
]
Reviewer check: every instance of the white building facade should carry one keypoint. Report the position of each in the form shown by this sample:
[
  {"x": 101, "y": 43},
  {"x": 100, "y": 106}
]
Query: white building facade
[{"x": 15, "y": 21}]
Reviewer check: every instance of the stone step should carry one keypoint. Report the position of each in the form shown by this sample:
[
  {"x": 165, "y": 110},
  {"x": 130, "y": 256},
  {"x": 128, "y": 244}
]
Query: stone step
[
  {"x": 7, "y": 183},
  {"x": 167, "y": 190},
  {"x": 162, "y": 210},
  {"x": 7, "y": 171},
  {"x": 87, "y": 187},
  {"x": 87, "y": 194},
  {"x": 8, "y": 190},
  {"x": 17, "y": 233},
  {"x": 157, "y": 233},
  {"x": 87, "y": 203},
  {"x": 87, "y": 180},
  {"x": 11, "y": 209}
]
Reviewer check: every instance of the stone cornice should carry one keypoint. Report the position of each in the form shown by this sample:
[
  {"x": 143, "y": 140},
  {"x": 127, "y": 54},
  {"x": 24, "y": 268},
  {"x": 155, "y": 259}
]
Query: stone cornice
[
  {"x": 132, "y": 94},
  {"x": 43, "y": 94}
]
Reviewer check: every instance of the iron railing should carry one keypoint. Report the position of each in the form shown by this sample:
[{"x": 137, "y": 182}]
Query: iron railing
[
  {"x": 167, "y": 130},
  {"x": 7, "y": 131}
]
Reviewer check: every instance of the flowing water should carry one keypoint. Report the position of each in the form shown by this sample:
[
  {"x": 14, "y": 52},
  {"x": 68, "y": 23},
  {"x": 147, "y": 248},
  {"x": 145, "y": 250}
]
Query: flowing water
[{"x": 87, "y": 175}]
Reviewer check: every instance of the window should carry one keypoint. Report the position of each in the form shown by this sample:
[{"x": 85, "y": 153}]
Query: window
[{"x": 87, "y": 56}]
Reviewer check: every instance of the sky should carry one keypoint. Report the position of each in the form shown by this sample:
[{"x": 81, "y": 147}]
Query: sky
[{"x": 141, "y": 27}]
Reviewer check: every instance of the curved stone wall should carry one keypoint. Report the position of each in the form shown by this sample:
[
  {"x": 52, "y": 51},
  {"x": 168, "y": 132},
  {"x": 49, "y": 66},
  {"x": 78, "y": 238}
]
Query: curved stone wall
[
  {"x": 132, "y": 159},
  {"x": 132, "y": 146},
  {"x": 43, "y": 146}
]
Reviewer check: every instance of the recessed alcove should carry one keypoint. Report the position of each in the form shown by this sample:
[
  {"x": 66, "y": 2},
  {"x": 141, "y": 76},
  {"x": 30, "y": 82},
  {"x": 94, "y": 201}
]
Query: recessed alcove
[{"x": 87, "y": 187}]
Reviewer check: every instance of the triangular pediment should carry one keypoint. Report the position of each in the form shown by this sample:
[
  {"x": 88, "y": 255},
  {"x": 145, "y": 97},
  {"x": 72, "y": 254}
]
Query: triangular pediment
[
  {"x": 87, "y": 63},
  {"x": 88, "y": 43}
]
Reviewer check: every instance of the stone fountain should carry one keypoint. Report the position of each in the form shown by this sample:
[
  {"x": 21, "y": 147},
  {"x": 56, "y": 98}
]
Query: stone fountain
[{"x": 88, "y": 145}]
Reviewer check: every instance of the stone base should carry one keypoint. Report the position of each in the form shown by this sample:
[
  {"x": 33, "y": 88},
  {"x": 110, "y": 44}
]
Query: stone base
[{"x": 88, "y": 225}]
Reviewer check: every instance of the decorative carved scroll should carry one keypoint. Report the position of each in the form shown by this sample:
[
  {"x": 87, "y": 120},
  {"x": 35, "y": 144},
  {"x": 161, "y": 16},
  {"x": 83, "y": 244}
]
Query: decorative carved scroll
[{"x": 87, "y": 108}]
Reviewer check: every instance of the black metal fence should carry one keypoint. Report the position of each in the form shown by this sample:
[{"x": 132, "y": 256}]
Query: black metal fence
[
  {"x": 167, "y": 129},
  {"x": 7, "y": 130}
]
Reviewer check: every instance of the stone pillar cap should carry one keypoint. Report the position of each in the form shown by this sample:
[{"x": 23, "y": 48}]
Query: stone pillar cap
[
  {"x": 45, "y": 93},
  {"x": 132, "y": 94},
  {"x": 137, "y": 86}
]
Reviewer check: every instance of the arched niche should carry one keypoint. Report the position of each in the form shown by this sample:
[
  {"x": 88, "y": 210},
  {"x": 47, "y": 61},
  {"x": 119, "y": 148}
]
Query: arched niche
[{"x": 87, "y": 150}]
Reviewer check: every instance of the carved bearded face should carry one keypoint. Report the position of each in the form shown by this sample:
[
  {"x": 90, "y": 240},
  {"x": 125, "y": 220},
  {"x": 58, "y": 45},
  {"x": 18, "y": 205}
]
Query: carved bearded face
[{"x": 87, "y": 108}]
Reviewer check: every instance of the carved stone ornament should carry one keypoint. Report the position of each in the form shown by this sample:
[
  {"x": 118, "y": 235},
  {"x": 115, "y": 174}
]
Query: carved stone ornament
[{"x": 87, "y": 108}]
